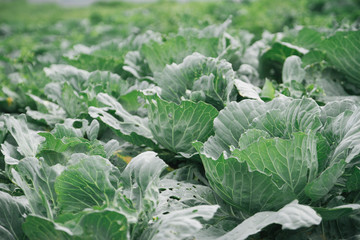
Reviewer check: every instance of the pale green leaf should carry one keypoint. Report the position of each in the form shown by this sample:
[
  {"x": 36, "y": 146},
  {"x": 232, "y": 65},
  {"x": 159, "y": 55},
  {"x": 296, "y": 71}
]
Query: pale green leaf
[
  {"x": 210, "y": 77},
  {"x": 292, "y": 70},
  {"x": 39, "y": 228},
  {"x": 179, "y": 224},
  {"x": 233, "y": 182},
  {"x": 141, "y": 178},
  {"x": 27, "y": 139},
  {"x": 292, "y": 216},
  {"x": 343, "y": 52},
  {"x": 12, "y": 215},
  {"x": 291, "y": 162},
  {"x": 85, "y": 184},
  {"x": 320, "y": 186},
  {"x": 130, "y": 127},
  {"x": 176, "y": 126}
]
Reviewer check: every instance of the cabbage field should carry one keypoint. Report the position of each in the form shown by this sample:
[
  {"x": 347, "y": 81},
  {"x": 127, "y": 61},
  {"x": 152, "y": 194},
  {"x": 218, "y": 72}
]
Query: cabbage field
[{"x": 219, "y": 120}]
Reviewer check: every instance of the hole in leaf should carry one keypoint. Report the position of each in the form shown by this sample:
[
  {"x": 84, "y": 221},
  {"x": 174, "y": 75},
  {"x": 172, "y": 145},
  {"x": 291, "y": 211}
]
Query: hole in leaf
[
  {"x": 77, "y": 124},
  {"x": 175, "y": 197}
]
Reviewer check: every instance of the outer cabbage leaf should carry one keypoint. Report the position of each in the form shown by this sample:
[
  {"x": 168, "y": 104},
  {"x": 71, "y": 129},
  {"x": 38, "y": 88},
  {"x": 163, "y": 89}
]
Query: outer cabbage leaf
[
  {"x": 141, "y": 179},
  {"x": 90, "y": 82},
  {"x": 198, "y": 78},
  {"x": 130, "y": 127},
  {"x": 40, "y": 228},
  {"x": 47, "y": 111},
  {"x": 320, "y": 186},
  {"x": 27, "y": 139},
  {"x": 353, "y": 183},
  {"x": 37, "y": 180},
  {"x": 175, "y": 127},
  {"x": 292, "y": 216},
  {"x": 77, "y": 78},
  {"x": 179, "y": 224},
  {"x": 248, "y": 191},
  {"x": 67, "y": 98},
  {"x": 12, "y": 216},
  {"x": 231, "y": 122},
  {"x": 337, "y": 212},
  {"x": 343, "y": 53},
  {"x": 176, "y": 49},
  {"x": 292, "y": 70},
  {"x": 85, "y": 183}
]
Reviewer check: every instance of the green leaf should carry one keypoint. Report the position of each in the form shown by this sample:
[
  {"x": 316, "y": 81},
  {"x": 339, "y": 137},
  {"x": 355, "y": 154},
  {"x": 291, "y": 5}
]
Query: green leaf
[
  {"x": 233, "y": 121},
  {"x": 247, "y": 90},
  {"x": 141, "y": 188},
  {"x": 176, "y": 49},
  {"x": 67, "y": 98},
  {"x": 298, "y": 115},
  {"x": 179, "y": 224},
  {"x": 308, "y": 38},
  {"x": 93, "y": 130},
  {"x": 353, "y": 183},
  {"x": 73, "y": 104},
  {"x": 313, "y": 57},
  {"x": 343, "y": 131},
  {"x": 105, "y": 224},
  {"x": 251, "y": 136},
  {"x": 214, "y": 30},
  {"x": 292, "y": 70},
  {"x": 85, "y": 184},
  {"x": 111, "y": 59},
  {"x": 343, "y": 53},
  {"x": 27, "y": 140},
  {"x": 320, "y": 186},
  {"x": 37, "y": 179},
  {"x": 233, "y": 182},
  {"x": 104, "y": 81},
  {"x": 290, "y": 162},
  {"x": 71, "y": 128},
  {"x": 328, "y": 214},
  {"x": 141, "y": 179},
  {"x": 335, "y": 108},
  {"x": 268, "y": 90},
  {"x": 40, "y": 228},
  {"x": 12, "y": 216},
  {"x": 272, "y": 61},
  {"x": 42, "y": 178},
  {"x": 176, "y": 126},
  {"x": 137, "y": 65},
  {"x": 130, "y": 127},
  {"x": 210, "y": 78},
  {"x": 3, "y": 130},
  {"x": 48, "y": 112},
  {"x": 176, "y": 195},
  {"x": 66, "y": 146},
  {"x": 292, "y": 216},
  {"x": 11, "y": 154},
  {"x": 66, "y": 73}
]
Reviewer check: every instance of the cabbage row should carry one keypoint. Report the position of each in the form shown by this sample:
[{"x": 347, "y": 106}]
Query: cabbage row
[{"x": 201, "y": 134}]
